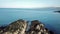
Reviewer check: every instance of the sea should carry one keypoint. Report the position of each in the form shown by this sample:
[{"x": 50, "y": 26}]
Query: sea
[{"x": 47, "y": 16}]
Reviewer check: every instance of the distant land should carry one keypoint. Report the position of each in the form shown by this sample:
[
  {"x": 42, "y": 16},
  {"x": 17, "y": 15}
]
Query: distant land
[
  {"x": 43, "y": 8},
  {"x": 57, "y": 11}
]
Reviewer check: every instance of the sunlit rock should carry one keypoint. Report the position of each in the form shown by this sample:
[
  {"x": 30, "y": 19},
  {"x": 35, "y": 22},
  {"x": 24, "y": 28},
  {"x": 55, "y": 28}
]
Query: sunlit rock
[
  {"x": 16, "y": 27},
  {"x": 21, "y": 27}
]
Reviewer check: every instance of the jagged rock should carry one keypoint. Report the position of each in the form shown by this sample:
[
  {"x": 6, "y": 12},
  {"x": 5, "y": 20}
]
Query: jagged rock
[
  {"x": 37, "y": 28},
  {"x": 20, "y": 27},
  {"x": 17, "y": 27}
]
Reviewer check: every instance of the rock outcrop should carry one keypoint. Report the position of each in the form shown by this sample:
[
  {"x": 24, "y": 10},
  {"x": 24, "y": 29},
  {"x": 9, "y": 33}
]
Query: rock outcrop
[
  {"x": 17, "y": 27},
  {"x": 20, "y": 27},
  {"x": 37, "y": 28}
]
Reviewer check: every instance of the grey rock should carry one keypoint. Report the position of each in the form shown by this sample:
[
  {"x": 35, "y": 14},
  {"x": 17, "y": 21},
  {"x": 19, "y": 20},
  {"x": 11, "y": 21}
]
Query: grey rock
[
  {"x": 37, "y": 28},
  {"x": 21, "y": 26},
  {"x": 16, "y": 27}
]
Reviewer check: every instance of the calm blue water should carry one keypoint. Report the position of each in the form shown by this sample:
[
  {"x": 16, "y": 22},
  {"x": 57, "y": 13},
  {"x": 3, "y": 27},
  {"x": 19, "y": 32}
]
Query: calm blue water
[{"x": 48, "y": 17}]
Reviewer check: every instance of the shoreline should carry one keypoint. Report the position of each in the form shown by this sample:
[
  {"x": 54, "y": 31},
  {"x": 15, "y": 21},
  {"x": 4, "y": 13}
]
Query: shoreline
[{"x": 33, "y": 22}]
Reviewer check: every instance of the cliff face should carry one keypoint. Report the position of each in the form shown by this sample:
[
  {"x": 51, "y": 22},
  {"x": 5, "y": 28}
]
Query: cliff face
[
  {"x": 17, "y": 27},
  {"x": 20, "y": 26}
]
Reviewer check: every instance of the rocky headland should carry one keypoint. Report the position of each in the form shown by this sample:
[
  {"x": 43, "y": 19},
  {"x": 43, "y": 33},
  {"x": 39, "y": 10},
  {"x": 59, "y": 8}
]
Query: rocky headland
[{"x": 21, "y": 27}]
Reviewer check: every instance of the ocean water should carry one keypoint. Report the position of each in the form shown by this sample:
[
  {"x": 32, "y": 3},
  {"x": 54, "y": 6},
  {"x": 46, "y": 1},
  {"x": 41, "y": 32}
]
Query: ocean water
[{"x": 46, "y": 16}]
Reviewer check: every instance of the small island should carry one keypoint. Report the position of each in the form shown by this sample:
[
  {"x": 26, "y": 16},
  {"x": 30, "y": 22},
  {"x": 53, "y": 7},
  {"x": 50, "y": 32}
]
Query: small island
[{"x": 57, "y": 11}]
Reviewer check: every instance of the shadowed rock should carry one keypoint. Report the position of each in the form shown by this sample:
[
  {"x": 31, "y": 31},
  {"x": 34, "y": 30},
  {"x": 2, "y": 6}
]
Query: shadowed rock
[
  {"x": 51, "y": 32},
  {"x": 37, "y": 28}
]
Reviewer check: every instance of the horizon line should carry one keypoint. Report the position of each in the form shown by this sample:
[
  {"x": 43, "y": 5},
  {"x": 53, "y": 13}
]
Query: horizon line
[{"x": 32, "y": 7}]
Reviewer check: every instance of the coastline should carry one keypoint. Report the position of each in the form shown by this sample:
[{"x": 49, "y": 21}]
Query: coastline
[{"x": 32, "y": 23}]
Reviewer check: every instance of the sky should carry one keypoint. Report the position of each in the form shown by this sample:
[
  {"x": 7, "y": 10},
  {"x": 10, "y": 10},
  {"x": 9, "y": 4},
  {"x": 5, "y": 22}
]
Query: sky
[{"x": 29, "y": 3}]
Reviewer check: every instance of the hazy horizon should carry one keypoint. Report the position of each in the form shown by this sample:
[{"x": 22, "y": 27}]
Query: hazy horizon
[{"x": 29, "y": 3}]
